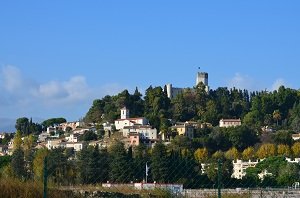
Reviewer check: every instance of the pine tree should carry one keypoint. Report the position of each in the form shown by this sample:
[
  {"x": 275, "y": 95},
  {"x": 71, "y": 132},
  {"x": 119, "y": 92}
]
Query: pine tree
[
  {"x": 18, "y": 164},
  {"x": 120, "y": 165},
  {"x": 159, "y": 163},
  {"x": 83, "y": 161}
]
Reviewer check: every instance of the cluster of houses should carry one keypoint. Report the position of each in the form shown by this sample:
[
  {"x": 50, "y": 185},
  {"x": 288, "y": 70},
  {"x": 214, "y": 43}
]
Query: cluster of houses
[
  {"x": 135, "y": 131},
  {"x": 138, "y": 130}
]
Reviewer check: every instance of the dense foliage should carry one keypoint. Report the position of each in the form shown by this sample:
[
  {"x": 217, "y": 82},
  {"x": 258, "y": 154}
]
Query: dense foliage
[
  {"x": 279, "y": 109},
  {"x": 180, "y": 160}
]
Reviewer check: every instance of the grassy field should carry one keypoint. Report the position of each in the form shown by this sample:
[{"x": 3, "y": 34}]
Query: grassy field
[{"x": 12, "y": 188}]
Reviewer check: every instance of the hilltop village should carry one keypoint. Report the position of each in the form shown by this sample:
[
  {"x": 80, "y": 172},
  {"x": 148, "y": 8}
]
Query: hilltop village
[{"x": 179, "y": 133}]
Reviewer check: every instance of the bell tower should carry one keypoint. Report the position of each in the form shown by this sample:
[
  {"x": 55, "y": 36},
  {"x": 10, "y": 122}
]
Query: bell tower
[{"x": 124, "y": 113}]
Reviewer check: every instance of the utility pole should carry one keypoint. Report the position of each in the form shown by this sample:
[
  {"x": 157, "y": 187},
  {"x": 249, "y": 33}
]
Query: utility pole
[
  {"x": 147, "y": 169},
  {"x": 219, "y": 178}
]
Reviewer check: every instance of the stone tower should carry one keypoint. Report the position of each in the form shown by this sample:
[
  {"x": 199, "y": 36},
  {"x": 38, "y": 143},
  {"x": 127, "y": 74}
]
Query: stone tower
[{"x": 202, "y": 77}]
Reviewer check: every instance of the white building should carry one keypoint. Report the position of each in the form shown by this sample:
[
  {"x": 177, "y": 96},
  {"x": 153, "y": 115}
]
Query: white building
[
  {"x": 230, "y": 122},
  {"x": 296, "y": 136},
  {"x": 240, "y": 166},
  {"x": 73, "y": 137},
  {"x": 296, "y": 160},
  {"x": 52, "y": 144},
  {"x": 83, "y": 130},
  {"x": 2, "y": 135},
  {"x": 73, "y": 125},
  {"x": 53, "y": 129},
  {"x": 126, "y": 121},
  {"x": 77, "y": 146},
  {"x": 145, "y": 132},
  {"x": 107, "y": 126},
  {"x": 43, "y": 136}
]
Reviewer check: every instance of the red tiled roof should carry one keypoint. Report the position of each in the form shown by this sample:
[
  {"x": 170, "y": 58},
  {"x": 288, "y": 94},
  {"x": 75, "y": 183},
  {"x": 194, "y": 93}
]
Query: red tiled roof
[{"x": 130, "y": 119}]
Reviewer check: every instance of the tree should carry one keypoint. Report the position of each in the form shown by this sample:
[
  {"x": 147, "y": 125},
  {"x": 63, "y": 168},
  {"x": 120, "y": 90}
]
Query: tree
[
  {"x": 266, "y": 150},
  {"x": 232, "y": 154},
  {"x": 296, "y": 149},
  {"x": 242, "y": 137},
  {"x": 4, "y": 161},
  {"x": 218, "y": 140},
  {"x": 26, "y": 126},
  {"x": 37, "y": 163},
  {"x": 272, "y": 165},
  {"x": 157, "y": 105},
  {"x": 248, "y": 153},
  {"x": 18, "y": 164},
  {"x": 28, "y": 147},
  {"x": 288, "y": 174},
  {"x": 159, "y": 163},
  {"x": 53, "y": 121},
  {"x": 141, "y": 157},
  {"x": 180, "y": 142},
  {"x": 83, "y": 162},
  {"x": 28, "y": 142},
  {"x": 68, "y": 129},
  {"x": 88, "y": 136},
  {"x": 226, "y": 170},
  {"x": 201, "y": 155},
  {"x": 252, "y": 118},
  {"x": 120, "y": 165},
  {"x": 17, "y": 140},
  {"x": 58, "y": 166},
  {"x": 95, "y": 112},
  {"x": 218, "y": 155},
  {"x": 283, "y": 137},
  {"x": 22, "y": 125},
  {"x": 97, "y": 166},
  {"x": 284, "y": 150},
  {"x": 276, "y": 116}
]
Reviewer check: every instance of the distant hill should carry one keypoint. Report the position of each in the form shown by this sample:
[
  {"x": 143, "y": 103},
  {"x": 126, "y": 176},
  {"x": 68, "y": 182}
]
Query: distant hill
[{"x": 7, "y": 125}]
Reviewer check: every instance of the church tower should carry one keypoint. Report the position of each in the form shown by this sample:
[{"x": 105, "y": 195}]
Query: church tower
[{"x": 124, "y": 113}]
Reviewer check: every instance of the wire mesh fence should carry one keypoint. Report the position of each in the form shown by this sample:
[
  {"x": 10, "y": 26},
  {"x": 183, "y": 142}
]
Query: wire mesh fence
[{"x": 160, "y": 171}]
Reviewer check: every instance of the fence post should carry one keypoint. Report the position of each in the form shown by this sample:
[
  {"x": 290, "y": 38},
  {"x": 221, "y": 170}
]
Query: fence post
[
  {"x": 45, "y": 177},
  {"x": 219, "y": 178}
]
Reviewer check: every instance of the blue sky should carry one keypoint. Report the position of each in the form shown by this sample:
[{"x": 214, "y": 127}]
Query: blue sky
[{"x": 57, "y": 56}]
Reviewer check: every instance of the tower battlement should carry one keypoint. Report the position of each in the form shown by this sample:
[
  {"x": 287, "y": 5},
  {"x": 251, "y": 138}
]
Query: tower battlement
[{"x": 202, "y": 77}]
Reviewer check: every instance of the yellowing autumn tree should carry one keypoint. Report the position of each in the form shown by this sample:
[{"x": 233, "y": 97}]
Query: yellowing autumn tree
[
  {"x": 296, "y": 149},
  {"x": 232, "y": 154},
  {"x": 283, "y": 149},
  {"x": 218, "y": 155},
  {"x": 201, "y": 155},
  {"x": 266, "y": 150},
  {"x": 28, "y": 142},
  {"x": 17, "y": 140},
  {"x": 38, "y": 163},
  {"x": 248, "y": 153}
]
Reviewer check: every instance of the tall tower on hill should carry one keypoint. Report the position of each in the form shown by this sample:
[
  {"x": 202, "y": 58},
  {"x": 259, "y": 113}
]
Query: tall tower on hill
[{"x": 202, "y": 77}]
